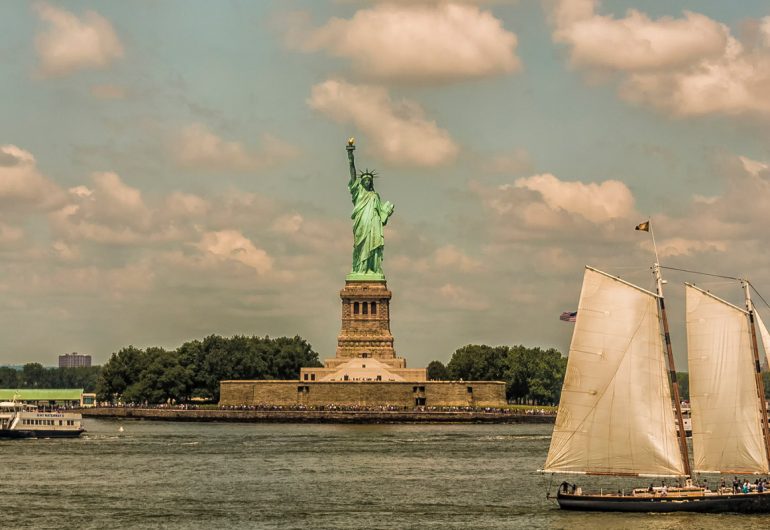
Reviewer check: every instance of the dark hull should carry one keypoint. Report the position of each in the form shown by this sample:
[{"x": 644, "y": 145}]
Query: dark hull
[
  {"x": 6, "y": 433},
  {"x": 731, "y": 503}
]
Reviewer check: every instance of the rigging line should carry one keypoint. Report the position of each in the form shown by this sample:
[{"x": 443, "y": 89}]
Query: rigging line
[{"x": 703, "y": 273}]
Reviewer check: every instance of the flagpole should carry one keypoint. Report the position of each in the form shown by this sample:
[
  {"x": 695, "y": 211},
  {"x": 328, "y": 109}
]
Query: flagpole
[{"x": 654, "y": 246}]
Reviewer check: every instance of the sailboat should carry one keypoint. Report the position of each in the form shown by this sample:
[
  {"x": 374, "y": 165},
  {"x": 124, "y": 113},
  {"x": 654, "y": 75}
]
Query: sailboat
[{"x": 620, "y": 411}]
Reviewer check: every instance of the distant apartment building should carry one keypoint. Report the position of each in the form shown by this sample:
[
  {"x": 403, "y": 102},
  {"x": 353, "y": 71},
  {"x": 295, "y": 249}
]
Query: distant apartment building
[{"x": 74, "y": 360}]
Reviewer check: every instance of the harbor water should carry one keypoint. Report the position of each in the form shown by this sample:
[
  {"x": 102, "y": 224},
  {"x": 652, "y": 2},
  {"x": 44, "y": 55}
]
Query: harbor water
[{"x": 225, "y": 475}]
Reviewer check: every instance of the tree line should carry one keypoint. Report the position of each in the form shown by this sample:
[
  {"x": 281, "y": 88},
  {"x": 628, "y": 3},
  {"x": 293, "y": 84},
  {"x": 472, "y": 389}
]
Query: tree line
[
  {"x": 531, "y": 375},
  {"x": 194, "y": 370},
  {"x": 35, "y": 375}
]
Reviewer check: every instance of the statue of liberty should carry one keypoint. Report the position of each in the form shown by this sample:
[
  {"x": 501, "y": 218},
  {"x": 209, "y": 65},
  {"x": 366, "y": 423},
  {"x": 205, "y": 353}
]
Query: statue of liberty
[{"x": 369, "y": 215}]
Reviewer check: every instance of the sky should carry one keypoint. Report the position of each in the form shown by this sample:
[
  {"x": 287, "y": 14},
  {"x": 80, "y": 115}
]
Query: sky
[{"x": 173, "y": 169}]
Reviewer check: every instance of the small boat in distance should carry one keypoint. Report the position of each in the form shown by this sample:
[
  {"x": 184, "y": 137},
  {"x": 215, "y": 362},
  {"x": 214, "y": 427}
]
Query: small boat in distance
[
  {"x": 20, "y": 420},
  {"x": 620, "y": 412}
]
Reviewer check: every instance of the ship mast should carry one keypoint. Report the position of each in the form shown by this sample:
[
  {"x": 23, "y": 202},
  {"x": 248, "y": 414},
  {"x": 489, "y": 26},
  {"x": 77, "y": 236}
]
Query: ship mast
[
  {"x": 757, "y": 370},
  {"x": 672, "y": 370}
]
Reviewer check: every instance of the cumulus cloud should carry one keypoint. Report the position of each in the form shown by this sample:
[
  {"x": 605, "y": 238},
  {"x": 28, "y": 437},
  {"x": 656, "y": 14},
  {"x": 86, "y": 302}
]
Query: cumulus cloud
[
  {"x": 233, "y": 245},
  {"x": 416, "y": 42},
  {"x": 596, "y": 202},
  {"x": 108, "y": 212},
  {"x": 22, "y": 185},
  {"x": 197, "y": 147},
  {"x": 688, "y": 66},
  {"x": 71, "y": 43},
  {"x": 399, "y": 131},
  {"x": 636, "y": 42}
]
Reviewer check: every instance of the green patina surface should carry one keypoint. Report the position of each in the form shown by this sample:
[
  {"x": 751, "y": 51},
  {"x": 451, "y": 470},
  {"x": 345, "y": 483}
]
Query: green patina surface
[
  {"x": 370, "y": 215},
  {"x": 41, "y": 394}
]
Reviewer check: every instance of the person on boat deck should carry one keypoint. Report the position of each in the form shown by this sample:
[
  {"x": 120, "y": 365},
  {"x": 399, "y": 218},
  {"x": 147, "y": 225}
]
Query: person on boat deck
[
  {"x": 651, "y": 489},
  {"x": 761, "y": 486},
  {"x": 663, "y": 490},
  {"x": 736, "y": 485},
  {"x": 745, "y": 488},
  {"x": 722, "y": 485}
]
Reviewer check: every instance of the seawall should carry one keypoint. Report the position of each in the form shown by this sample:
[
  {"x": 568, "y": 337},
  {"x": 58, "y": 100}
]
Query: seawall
[{"x": 314, "y": 416}]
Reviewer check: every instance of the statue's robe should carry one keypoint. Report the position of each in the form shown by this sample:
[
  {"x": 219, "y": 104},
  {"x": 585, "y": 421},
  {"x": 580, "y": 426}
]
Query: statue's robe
[{"x": 369, "y": 215}]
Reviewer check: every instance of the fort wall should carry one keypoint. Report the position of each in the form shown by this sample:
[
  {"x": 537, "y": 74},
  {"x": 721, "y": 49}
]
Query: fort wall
[{"x": 364, "y": 393}]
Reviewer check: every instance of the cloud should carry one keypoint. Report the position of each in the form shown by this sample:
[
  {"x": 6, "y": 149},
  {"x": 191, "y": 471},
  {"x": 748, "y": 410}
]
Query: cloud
[
  {"x": 597, "y": 202},
  {"x": 417, "y": 42},
  {"x": 10, "y": 235},
  {"x": 108, "y": 212},
  {"x": 400, "y": 131},
  {"x": 233, "y": 245},
  {"x": 636, "y": 42},
  {"x": 196, "y": 147},
  {"x": 22, "y": 186},
  {"x": 70, "y": 43},
  {"x": 688, "y": 66}
]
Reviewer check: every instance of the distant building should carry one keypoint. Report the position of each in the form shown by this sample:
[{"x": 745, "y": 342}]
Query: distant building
[{"x": 74, "y": 360}]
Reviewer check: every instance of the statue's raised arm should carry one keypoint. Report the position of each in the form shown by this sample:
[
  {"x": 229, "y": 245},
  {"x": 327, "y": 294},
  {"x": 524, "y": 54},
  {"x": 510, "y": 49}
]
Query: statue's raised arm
[
  {"x": 351, "y": 160},
  {"x": 369, "y": 216}
]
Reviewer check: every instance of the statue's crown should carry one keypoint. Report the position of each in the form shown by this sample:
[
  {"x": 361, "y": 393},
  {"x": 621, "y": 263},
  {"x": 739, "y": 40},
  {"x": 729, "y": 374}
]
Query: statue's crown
[{"x": 370, "y": 173}]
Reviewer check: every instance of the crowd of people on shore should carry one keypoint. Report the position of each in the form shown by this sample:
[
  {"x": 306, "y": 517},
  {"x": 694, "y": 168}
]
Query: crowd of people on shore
[{"x": 332, "y": 407}]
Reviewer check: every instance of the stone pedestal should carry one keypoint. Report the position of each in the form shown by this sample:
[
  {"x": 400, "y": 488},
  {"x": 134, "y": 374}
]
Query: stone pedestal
[{"x": 365, "y": 329}]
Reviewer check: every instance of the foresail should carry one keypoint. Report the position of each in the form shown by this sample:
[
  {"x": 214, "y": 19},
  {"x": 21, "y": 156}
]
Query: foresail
[
  {"x": 726, "y": 418},
  {"x": 615, "y": 414}
]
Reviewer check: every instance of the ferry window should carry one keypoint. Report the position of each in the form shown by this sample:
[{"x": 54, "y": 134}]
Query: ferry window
[
  {"x": 312, "y": 377},
  {"x": 355, "y": 308},
  {"x": 365, "y": 308},
  {"x": 374, "y": 308}
]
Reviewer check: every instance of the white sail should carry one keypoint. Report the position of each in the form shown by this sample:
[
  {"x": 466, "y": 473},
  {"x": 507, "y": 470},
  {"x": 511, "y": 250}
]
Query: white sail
[
  {"x": 726, "y": 418},
  {"x": 615, "y": 415},
  {"x": 765, "y": 338}
]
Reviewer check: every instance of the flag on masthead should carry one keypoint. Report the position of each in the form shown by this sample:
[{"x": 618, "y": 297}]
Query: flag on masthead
[{"x": 644, "y": 227}]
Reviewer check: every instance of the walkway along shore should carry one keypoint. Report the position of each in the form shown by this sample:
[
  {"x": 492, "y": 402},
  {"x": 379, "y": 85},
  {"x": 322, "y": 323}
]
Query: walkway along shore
[{"x": 313, "y": 416}]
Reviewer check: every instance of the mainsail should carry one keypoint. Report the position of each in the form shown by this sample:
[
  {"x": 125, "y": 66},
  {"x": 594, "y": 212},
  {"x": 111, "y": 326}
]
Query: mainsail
[
  {"x": 615, "y": 414},
  {"x": 726, "y": 416}
]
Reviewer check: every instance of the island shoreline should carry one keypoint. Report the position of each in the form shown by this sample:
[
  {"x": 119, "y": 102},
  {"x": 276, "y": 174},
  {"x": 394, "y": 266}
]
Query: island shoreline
[{"x": 314, "y": 416}]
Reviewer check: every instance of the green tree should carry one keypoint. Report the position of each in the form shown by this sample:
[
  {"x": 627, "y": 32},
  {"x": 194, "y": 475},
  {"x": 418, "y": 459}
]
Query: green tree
[
  {"x": 437, "y": 371},
  {"x": 162, "y": 380},
  {"x": 535, "y": 375},
  {"x": 33, "y": 375},
  {"x": 120, "y": 372},
  {"x": 478, "y": 363},
  {"x": 9, "y": 378}
]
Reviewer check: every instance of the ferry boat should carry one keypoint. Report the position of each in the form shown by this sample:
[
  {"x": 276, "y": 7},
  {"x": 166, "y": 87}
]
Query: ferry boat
[{"x": 20, "y": 420}]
